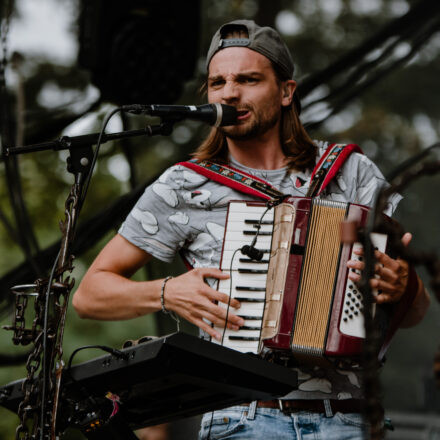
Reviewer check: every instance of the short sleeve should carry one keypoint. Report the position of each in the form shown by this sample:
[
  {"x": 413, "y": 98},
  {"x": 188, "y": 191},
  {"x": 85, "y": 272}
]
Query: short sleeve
[
  {"x": 370, "y": 181},
  {"x": 153, "y": 223}
]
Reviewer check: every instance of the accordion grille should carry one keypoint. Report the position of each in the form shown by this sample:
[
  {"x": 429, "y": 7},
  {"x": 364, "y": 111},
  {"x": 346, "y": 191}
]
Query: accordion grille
[{"x": 319, "y": 272}]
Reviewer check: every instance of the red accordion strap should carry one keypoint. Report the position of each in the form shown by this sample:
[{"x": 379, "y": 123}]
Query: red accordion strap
[
  {"x": 329, "y": 164},
  {"x": 234, "y": 178}
]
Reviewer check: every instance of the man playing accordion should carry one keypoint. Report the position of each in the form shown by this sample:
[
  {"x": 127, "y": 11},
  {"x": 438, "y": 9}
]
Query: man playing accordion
[{"x": 249, "y": 67}]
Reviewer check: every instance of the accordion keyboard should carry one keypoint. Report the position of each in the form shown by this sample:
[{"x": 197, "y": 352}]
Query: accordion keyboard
[{"x": 248, "y": 277}]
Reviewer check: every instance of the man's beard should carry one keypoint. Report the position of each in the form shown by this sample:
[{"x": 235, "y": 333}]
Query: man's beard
[{"x": 260, "y": 125}]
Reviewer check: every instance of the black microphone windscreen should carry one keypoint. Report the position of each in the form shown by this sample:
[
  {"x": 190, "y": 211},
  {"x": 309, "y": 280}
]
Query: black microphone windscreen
[
  {"x": 229, "y": 116},
  {"x": 252, "y": 252}
]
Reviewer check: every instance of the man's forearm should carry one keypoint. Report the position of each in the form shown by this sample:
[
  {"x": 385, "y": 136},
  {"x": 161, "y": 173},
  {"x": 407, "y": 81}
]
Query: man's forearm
[{"x": 108, "y": 296}]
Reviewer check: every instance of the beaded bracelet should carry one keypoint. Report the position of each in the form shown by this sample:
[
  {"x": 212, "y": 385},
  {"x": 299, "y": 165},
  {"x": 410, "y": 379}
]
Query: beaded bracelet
[
  {"x": 162, "y": 293},
  {"x": 162, "y": 303}
]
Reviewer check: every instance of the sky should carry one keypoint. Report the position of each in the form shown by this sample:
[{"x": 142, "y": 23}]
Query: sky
[{"x": 44, "y": 28}]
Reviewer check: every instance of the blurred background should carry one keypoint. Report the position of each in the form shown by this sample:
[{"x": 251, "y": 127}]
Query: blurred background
[{"x": 368, "y": 73}]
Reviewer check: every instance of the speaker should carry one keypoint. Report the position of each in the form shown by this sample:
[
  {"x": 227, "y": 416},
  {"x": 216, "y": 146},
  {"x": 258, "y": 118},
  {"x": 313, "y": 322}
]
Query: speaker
[{"x": 139, "y": 51}]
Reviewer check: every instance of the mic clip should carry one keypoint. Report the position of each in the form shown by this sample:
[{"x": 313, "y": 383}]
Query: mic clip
[{"x": 252, "y": 252}]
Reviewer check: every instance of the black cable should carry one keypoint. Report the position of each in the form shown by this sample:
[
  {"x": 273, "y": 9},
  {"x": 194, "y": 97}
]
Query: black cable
[
  {"x": 226, "y": 323},
  {"x": 115, "y": 352},
  {"x": 269, "y": 205},
  {"x": 86, "y": 393},
  {"x": 95, "y": 156},
  {"x": 230, "y": 294}
]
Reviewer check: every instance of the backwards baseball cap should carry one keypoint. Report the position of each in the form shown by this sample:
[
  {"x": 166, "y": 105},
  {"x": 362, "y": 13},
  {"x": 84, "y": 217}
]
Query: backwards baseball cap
[{"x": 263, "y": 40}]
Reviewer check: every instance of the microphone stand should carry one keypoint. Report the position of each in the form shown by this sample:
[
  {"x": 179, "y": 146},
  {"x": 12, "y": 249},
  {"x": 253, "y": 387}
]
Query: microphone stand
[
  {"x": 165, "y": 128},
  {"x": 51, "y": 295}
]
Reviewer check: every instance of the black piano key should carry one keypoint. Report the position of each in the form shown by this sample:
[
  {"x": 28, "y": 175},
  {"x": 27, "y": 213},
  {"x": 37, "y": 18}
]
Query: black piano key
[
  {"x": 252, "y": 271},
  {"x": 250, "y": 300},
  {"x": 257, "y": 232},
  {"x": 243, "y": 338},
  {"x": 257, "y": 222},
  {"x": 248, "y": 327},
  {"x": 250, "y": 289},
  {"x": 248, "y": 260},
  {"x": 250, "y": 318}
]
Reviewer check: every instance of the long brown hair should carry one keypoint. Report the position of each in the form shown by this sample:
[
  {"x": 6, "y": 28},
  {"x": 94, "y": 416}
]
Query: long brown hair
[{"x": 295, "y": 142}]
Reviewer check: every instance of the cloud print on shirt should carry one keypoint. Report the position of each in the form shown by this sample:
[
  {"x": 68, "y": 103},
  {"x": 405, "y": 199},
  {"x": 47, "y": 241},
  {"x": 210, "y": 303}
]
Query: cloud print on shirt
[{"x": 147, "y": 220}]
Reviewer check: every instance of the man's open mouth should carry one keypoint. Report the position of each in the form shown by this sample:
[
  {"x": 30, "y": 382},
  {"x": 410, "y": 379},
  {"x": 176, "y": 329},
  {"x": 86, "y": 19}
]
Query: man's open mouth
[{"x": 241, "y": 114}]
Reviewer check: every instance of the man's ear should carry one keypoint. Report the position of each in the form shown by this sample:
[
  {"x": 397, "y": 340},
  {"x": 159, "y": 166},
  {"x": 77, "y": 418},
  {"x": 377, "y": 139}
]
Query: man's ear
[{"x": 288, "y": 88}]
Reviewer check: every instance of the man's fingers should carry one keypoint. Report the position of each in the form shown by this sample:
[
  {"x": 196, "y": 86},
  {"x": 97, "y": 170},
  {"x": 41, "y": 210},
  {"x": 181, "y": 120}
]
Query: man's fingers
[
  {"x": 218, "y": 322},
  {"x": 234, "y": 322},
  {"x": 216, "y": 312},
  {"x": 211, "y": 272},
  {"x": 387, "y": 291},
  {"x": 215, "y": 295},
  {"x": 406, "y": 238},
  {"x": 386, "y": 274},
  {"x": 209, "y": 310},
  {"x": 387, "y": 298},
  {"x": 387, "y": 261},
  {"x": 356, "y": 264},
  {"x": 207, "y": 329}
]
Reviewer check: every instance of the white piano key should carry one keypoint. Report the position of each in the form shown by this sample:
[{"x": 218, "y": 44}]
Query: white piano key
[
  {"x": 247, "y": 263},
  {"x": 237, "y": 264},
  {"x": 244, "y": 347},
  {"x": 254, "y": 314},
  {"x": 235, "y": 240},
  {"x": 247, "y": 294},
  {"x": 245, "y": 208},
  {"x": 233, "y": 338},
  {"x": 246, "y": 309},
  {"x": 253, "y": 323},
  {"x": 242, "y": 333},
  {"x": 240, "y": 226},
  {"x": 237, "y": 284}
]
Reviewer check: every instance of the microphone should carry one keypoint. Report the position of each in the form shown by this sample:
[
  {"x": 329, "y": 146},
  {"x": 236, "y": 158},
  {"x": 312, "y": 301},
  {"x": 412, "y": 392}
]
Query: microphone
[
  {"x": 217, "y": 114},
  {"x": 252, "y": 252}
]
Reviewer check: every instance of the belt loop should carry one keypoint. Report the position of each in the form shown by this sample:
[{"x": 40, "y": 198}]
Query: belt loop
[
  {"x": 328, "y": 408},
  {"x": 252, "y": 410},
  {"x": 281, "y": 405}
]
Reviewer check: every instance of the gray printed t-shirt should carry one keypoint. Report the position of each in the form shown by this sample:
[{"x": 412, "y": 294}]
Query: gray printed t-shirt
[{"x": 184, "y": 211}]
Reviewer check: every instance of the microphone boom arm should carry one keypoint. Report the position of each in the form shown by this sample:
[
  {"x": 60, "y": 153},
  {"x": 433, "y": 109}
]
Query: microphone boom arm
[{"x": 68, "y": 142}]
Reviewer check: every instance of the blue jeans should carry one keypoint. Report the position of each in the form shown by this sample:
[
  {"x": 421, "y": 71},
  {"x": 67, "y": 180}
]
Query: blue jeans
[{"x": 271, "y": 424}]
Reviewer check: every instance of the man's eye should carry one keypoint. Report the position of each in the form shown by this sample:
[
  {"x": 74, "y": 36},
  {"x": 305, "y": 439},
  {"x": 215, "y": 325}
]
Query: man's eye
[{"x": 216, "y": 83}]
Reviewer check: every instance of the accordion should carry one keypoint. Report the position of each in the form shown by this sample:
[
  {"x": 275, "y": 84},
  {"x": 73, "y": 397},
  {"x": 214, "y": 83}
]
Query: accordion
[{"x": 297, "y": 298}]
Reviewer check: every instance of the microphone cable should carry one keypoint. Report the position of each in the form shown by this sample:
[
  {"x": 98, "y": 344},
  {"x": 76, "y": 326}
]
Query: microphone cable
[
  {"x": 254, "y": 254},
  {"x": 250, "y": 250}
]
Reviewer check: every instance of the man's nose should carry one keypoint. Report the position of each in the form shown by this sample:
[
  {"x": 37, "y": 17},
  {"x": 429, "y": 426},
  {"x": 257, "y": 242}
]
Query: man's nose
[{"x": 231, "y": 92}]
